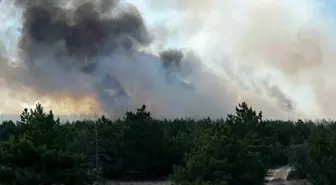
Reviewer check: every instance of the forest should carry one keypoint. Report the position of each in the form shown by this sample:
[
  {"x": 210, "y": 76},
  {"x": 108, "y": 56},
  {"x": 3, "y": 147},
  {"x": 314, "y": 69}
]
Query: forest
[{"x": 235, "y": 150}]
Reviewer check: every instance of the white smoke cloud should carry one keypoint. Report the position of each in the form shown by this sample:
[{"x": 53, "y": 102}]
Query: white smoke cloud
[{"x": 287, "y": 43}]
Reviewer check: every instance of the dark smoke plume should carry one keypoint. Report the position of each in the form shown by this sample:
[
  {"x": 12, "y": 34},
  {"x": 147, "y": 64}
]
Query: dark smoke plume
[
  {"x": 281, "y": 98},
  {"x": 102, "y": 50},
  {"x": 61, "y": 42},
  {"x": 171, "y": 58},
  {"x": 83, "y": 29}
]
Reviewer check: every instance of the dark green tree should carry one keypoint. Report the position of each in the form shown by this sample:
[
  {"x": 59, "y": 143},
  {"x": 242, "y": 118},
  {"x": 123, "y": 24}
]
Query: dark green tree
[
  {"x": 39, "y": 155},
  {"x": 229, "y": 153},
  {"x": 322, "y": 155},
  {"x": 8, "y": 129}
]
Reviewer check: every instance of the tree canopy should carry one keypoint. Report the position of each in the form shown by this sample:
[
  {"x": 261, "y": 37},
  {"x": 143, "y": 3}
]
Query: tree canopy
[{"x": 235, "y": 150}]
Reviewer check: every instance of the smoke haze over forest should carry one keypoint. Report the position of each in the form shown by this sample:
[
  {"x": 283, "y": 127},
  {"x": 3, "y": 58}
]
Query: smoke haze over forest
[{"x": 200, "y": 59}]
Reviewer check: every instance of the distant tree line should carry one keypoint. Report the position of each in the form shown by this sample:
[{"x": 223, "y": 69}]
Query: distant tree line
[{"x": 237, "y": 150}]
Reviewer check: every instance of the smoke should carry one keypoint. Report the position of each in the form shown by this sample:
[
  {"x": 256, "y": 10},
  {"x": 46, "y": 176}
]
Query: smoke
[
  {"x": 89, "y": 57},
  {"x": 287, "y": 44}
]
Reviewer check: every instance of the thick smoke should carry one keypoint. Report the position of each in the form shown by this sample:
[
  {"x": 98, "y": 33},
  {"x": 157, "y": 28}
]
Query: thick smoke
[
  {"x": 289, "y": 44},
  {"x": 83, "y": 30},
  {"x": 91, "y": 50},
  {"x": 99, "y": 53}
]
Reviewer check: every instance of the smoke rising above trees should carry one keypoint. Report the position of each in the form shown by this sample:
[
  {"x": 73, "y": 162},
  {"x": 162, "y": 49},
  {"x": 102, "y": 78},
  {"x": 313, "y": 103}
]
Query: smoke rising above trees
[
  {"x": 101, "y": 51},
  {"x": 85, "y": 30}
]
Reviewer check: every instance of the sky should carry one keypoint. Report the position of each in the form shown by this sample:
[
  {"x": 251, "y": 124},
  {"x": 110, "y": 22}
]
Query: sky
[{"x": 331, "y": 6}]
